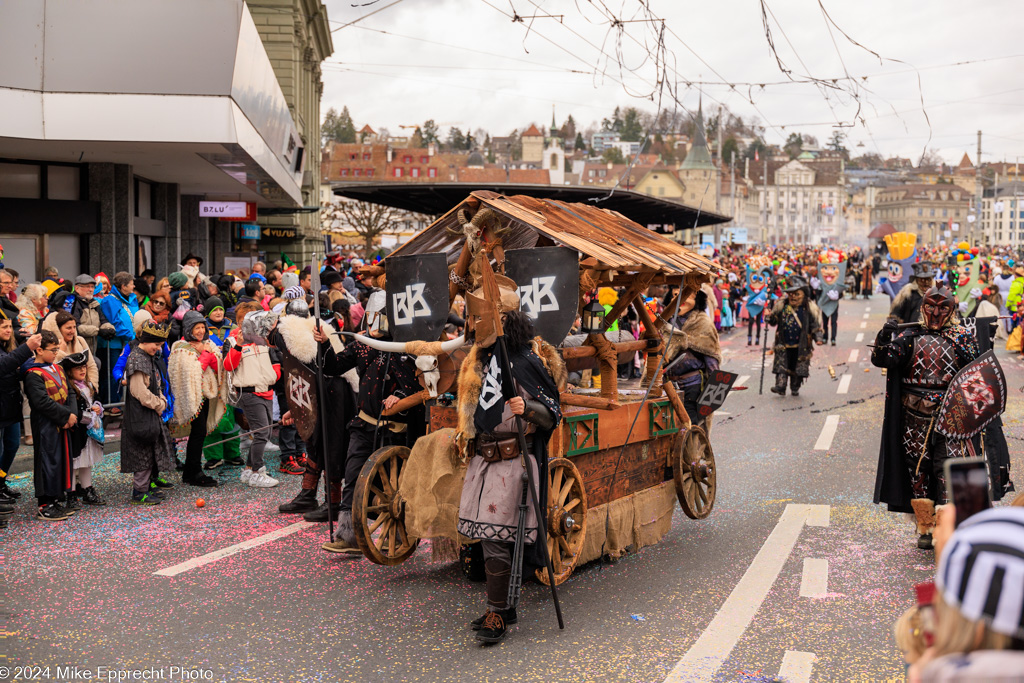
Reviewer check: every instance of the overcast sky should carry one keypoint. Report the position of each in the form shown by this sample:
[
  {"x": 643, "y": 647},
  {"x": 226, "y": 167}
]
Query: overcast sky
[{"x": 465, "y": 63}]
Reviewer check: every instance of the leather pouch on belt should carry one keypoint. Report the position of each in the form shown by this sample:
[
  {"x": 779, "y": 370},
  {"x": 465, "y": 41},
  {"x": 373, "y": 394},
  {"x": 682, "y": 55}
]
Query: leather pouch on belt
[
  {"x": 488, "y": 451},
  {"x": 919, "y": 404},
  {"x": 509, "y": 448}
]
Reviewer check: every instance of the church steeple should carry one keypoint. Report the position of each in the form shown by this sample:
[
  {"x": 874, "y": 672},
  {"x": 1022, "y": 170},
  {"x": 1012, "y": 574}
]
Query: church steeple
[
  {"x": 554, "y": 128},
  {"x": 699, "y": 157}
]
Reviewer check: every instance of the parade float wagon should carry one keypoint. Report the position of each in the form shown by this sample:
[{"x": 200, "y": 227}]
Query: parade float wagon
[{"x": 622, "y": 454}]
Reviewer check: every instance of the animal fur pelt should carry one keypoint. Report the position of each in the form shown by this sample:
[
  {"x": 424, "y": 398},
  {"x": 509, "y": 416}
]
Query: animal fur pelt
[
  {"x": 903, "y": 295},
  {"x": 191, "y": 384},
  {"x": 471, "y": 377},
  {"x": 298, "y": 337},
  {"x": 697, "y": 334}
]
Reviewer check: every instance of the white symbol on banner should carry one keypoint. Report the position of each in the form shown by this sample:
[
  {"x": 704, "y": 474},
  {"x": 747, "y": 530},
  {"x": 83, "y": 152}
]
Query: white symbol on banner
[
  {"x": 714, "y": 394},
  {"x": 490, "y": 393},
  {"x": 298, "y": 391},
  {"x": 410, "y": 304},
  {"x": 538, "y": 296}
]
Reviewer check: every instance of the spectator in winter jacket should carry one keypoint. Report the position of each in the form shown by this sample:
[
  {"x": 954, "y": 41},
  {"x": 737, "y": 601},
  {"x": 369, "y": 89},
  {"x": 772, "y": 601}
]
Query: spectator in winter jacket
[
  {"x": 31, "y": 309},
  {"x": 1013, "y": 299},
  {"x": 81, "y": 304},
  {"x": 8, "y": 309},
  {"x": 12, "y": 357},
  {"x": 119, "y": 307}
]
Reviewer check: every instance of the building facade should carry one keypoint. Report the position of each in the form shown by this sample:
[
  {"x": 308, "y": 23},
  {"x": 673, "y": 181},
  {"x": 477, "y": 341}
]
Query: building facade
[
  {"x": 801, "y": 202},
  {"x": 186, "y": 109},
  {"x": 932, "y": 212},
  {"x": 1002, "y": 215}
]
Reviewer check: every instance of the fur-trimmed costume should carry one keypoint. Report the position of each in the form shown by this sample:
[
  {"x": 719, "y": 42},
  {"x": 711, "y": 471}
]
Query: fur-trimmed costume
[
  {"x": 145, "y": 440},
  {"x": 796, "y": 332},
  {"x": 491, "y": 493},
  {"x": 191, "y": 384},
  {"x": 696, "y": 340},
  {"x": 906, "y": 307}
]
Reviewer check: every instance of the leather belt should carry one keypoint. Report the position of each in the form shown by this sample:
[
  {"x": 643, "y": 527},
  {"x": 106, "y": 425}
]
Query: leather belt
[
  {"x": 493, "y": 450},
  {"x": 396, "y": 427}
]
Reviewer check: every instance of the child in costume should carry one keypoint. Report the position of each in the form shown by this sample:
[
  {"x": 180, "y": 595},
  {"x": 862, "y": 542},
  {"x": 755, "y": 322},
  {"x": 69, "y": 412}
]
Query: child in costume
[
  {"x": 220, "y": 448},
  {"x": 54, "y": 411},
  {"x": 757, "y": 297},
  {"x": 902, "y": 253},
  {"x": 87, "y": 436}
]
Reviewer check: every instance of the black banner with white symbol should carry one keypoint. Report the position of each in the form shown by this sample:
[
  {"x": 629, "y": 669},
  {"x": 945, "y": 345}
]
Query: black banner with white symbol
[
  {"x": 975, "y": 397},
  {"x": 715, "y": 392},
  {"x": 300, "y": 392},
  {"x": 982, "y": 329},
  {"x": 417, "y": 291},
  {"x": 549, "y": 288}
]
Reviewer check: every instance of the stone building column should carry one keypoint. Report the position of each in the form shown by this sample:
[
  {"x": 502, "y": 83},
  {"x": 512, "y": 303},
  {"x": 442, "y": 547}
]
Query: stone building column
[
  {"x": 167, "y": 208},
  {"x": 111, "y": 186}
]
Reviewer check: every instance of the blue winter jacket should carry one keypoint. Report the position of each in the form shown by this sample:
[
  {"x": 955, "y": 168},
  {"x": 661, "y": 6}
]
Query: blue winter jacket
[{"x": 119, "y": 312}]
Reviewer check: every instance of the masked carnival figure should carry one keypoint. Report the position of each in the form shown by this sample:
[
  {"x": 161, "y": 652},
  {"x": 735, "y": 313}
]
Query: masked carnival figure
[
  {"x": 757, "y": 296},
  {"x": 902, "y": 254},
  {"x": 487, "y": 433},
  {"x": 832, "y": 276},
  {"x": 798, "y": 323},
  {"x": 921, "y": 362},
  {"x": 968, "y": 274},
  {"x": 906, "y": 307}
]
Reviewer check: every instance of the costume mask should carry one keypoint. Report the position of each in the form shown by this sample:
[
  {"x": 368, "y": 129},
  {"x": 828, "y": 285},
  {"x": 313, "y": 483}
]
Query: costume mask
[
  {"x": 902, "y": 253},
  {"x": 796, "y": 298},
  {"x": 937, "y": 307},
  {"x": 376, "y": 316}
]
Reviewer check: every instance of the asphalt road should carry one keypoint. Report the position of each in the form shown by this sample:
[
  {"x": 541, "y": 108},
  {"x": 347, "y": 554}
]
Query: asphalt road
[{"x": 795, "y": 569}]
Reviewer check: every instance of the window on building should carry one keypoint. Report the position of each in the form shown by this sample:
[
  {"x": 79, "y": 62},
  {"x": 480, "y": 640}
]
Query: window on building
[
  {"x": 602, "y": 173},
  {"x": 661, "y": 191},
  {"x": 407, "y": 159},
  {"x": 366, "y": 156},
  {"x": 945, "y": 213},
  {"x": 343, "y": 172},
  {"x": 920, "y": 212},
  {"x": 431, "y": 172},
  {"x": 591, "y": 173},
  {"x": 353, "y": 156},
  {"x": 21, "y": 181},
  {"x": 931, "y": 212},
  {"x": 398, "y": 172},
  {"x": 63, "y": 182},
  {"x": 415, "y": 172},
  {"x": 357, "y": 171},
  {"x": 919, "y": 227},
  {"x": 424, "y": 160}
]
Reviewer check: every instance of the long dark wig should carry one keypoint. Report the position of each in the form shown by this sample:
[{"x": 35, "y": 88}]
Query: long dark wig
[{"x": 519, "y": 331}]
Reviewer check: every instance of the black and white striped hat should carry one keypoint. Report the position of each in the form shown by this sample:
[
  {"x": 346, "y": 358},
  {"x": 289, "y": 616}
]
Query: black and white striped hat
[{"x": 981, "y": 571}]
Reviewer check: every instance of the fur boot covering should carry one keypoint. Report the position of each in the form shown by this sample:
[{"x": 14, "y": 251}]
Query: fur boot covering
[
  {"x": 471, "y": 378},
  {"x": 297, "y": 333},
  {"x": 191, "y": 384},
  {"x": 924, "y": 514},
  {"x": 345, "y": 531}
]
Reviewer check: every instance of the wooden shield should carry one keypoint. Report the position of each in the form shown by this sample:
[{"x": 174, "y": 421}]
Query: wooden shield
[
  {"x": 300, "y": 392},
  {"x": 417, "y": 290},
  {"x": 975, "y": 397},
  {"x": 549, "y": 288}
]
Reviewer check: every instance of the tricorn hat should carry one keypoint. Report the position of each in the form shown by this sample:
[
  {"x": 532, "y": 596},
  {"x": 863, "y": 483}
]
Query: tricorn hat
[
  {"x": 796, "y": 282},
  {"x": 923, "y": 269},
  {"x": 74, "y": 360}
]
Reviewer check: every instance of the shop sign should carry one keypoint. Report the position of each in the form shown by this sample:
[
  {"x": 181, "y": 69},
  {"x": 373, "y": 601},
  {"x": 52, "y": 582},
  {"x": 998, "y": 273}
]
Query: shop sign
[
  {"x": 228, "y": 210},
  {"x": 250, "y": 231},
  {"x": 280, "y": 233}
]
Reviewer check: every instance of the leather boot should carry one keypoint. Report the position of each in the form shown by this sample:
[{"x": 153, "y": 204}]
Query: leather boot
[
  {"x": 780, "y": 384},
  {"x": 304, "y": 502},
  {"x": 320, "y": 513}
]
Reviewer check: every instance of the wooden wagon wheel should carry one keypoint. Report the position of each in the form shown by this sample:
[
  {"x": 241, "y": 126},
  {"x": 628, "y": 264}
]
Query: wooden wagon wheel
[
  {"x": 695, "y": 474},
  {"x": 378, "y": 510},
  {"x": 567, "y": 519}
]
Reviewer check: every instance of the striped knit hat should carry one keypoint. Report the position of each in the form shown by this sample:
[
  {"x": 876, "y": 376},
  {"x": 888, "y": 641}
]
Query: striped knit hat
[{"x": 981, "y": 571}]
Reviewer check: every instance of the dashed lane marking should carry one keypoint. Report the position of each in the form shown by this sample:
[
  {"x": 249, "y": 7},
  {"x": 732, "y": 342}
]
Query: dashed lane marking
[
  {"x": 828, "y": 432},
  {"x": 854, "y": 355},
  {"x": 710, "y": 650},
  {"x": 814, "y": 582},
  {"x": 860, "y": 337},
  {"x": 867, "y": 315},
  {"x": 202, "y": 560},
  {"x": 844, "y": 384},
  {"x": 796, "y": 666},
  {"x": 867, "y": 309},
  {"x": 863, "y": 326}
]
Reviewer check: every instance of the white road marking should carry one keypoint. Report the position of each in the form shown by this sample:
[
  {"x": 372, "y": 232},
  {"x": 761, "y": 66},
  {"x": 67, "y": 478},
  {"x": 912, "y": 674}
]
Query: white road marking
[
  {"x": 854, "y": 355},
  {"x": 711, "y": 649},
  {"x": 741, "y": 380},
  {"x": 867, "y": 309},
  {"x": 828, "y": 432},
  {"x": 814, "y": 582},
  {"x": 844, "y": 384},
  {"x": 796, "y": 666},
  {"x": 866, "y": 316},
  {"x": 863, "y": 325},
  {"x": 859, "y": 337},
  {"x": 195, "y": 562}
]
